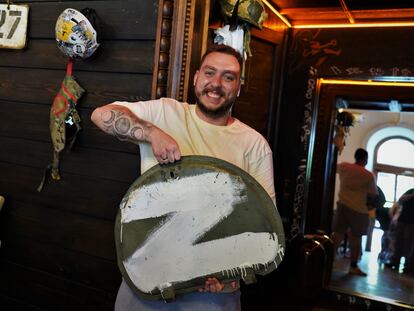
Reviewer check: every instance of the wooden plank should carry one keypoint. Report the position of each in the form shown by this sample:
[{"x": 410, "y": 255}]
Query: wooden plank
[
  {"x": 252, "y": 107},
  {"x": 48, "y": 292},
  {"x": 74, "y": 232},
  {"x": 397, "y": 14},
  {"x": 313, "y": 14},
  {"x": 13, "y": 304},
  {"x": 83, "y": 268},
  {"x": 117, "y": 166},
  {"x": 22, "y": 116},
  {"x": 303, "y": 16},
  {"x": 127, "y": 19},
  {"x": 79, "y": 194},
  {"x": 112, "y": 56},
  {"x": 41, "y": 86},
  {"x": 270, "y": 35}
]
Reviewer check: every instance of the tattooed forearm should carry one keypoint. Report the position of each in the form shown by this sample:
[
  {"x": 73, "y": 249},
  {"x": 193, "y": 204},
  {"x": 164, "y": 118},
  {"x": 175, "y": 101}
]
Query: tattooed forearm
[{"x": 125, "y": 126}]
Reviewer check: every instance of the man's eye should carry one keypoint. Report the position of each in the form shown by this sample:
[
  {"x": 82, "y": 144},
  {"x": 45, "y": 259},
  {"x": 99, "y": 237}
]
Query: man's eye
[
  {"x": 209, "y": 73},
  {"x": 229, "y": 78}
]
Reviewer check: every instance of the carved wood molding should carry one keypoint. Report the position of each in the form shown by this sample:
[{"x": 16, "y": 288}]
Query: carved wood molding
[
  {"x": 181, "y": 48},
  {"x": 162, "y": 48},
  {"x": 177, "y": 25}
]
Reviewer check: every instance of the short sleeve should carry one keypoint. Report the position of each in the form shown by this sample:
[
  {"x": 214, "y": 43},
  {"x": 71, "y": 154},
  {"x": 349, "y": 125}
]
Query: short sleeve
[
  {"x": 146, "y": 110},
  {"x": 262, "y": 171}
]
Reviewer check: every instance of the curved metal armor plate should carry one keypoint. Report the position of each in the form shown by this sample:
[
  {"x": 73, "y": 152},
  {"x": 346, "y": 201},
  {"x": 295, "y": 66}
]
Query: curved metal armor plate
[{"x": 199, "y": 217}]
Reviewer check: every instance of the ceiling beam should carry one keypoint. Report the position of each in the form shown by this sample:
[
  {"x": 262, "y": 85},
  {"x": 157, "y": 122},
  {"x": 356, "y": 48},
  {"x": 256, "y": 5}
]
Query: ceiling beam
[
  {"x": 306, "y": 16},
  {"x": 347, "y": 12}
]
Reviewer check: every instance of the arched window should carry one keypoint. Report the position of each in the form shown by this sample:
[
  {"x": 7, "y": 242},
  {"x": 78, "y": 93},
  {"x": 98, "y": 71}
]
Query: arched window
[{"x": 394, "y": 167}]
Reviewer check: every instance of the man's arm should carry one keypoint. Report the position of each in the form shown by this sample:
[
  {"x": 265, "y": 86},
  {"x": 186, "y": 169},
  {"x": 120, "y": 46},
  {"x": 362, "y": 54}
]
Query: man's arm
[{"x": 120, "y": 122}]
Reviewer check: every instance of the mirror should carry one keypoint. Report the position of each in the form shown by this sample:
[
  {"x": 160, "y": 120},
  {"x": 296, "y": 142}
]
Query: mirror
[{"x": 371, "y": 105}]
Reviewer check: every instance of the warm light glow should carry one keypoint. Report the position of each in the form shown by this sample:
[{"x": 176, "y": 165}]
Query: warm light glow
[
  {"x": 357, "y": 25},
  {"x": 273, "y": 27},
  {"x": 347, "y": 12},
  {"x": 277, "y": 13},
  {"x": 352, "y": 24},
  {"x": 368, "y": 82}
]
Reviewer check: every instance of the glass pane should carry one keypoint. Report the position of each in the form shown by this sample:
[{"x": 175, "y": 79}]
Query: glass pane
[
  {"x": 386, "y": 182},
  {"x": 403, "y": 158},
  {"x": 404, "y": 183}
]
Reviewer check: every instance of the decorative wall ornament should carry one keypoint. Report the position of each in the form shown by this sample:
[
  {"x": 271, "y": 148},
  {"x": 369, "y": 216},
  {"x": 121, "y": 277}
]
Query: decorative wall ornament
[
  {"x": 13, "y": 25},
  {"x": 301, "y": 177},
  {"x": 344, "y": 120},
  {"x": 239, "y": 16},
  {"x": 307, "y": 47},
  {"x": 76, "y": 38}
]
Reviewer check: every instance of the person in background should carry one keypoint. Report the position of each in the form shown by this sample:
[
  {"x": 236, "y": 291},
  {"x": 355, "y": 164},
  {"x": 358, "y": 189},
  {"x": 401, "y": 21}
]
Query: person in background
[
  {"x": 384, "y": 219},
  {"x": 166, "y": 129},
  {"x": 357, "y": 187},
  {"x": 404, "y": 233}
]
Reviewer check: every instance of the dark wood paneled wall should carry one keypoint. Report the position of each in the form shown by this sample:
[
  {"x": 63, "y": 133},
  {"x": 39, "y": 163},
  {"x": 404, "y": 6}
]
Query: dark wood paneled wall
[{"x": 57, "y": 250}]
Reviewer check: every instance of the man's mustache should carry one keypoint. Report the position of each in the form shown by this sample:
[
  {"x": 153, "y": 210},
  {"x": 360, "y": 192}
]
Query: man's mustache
[{"x": 215, "y": 89}]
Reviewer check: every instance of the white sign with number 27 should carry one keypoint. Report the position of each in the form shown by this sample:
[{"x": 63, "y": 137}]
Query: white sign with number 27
[{"x": 13, "y": 26}]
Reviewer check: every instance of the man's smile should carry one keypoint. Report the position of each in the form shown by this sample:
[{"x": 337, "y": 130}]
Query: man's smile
[{"x": 213, "y": 92}]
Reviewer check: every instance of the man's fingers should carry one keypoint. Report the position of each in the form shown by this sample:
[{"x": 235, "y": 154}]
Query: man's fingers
[
  {"x": 162, "y": 158},
  {"x": 171, "y": 157},
  {"x": 177, "y": 154},
  {"x": 212, "y": 285}
]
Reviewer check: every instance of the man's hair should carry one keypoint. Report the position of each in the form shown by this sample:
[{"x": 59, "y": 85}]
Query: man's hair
[
  {"x": 360, "y": 154},
  {"x": 221, "y": 48}
]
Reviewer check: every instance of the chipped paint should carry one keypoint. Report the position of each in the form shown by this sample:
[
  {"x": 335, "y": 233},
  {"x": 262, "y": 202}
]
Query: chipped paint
[
  {"x": 170, "y": 253},
  {"x": 13, "y": 26}
]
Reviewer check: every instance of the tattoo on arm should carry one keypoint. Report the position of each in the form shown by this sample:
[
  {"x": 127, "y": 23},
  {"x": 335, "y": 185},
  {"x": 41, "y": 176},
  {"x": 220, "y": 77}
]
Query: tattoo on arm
[{"x": 124, "y": 126}]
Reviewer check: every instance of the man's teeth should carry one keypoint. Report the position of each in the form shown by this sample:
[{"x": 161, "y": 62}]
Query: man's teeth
[{"x": 213, "y": 94}]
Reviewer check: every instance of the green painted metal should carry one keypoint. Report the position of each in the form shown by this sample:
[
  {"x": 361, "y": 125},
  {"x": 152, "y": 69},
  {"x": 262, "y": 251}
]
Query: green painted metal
[{"x": 256, "y": 214}]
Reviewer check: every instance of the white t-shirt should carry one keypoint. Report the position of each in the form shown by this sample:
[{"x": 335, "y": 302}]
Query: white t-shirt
[
  {"x": 356, "y": 183},
  {"x": 236, "y": 143}
]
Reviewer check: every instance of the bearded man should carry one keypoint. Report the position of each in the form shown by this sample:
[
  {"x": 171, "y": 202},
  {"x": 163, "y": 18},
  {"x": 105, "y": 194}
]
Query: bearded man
[{"x": 166, "y": 129}]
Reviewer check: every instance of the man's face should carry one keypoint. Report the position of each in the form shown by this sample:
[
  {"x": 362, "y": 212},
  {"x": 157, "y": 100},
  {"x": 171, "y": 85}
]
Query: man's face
[{"x": 217, "y": 84}]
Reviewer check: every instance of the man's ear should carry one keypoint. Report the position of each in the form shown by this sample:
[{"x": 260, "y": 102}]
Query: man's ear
[{"x": 195, "y": 77}]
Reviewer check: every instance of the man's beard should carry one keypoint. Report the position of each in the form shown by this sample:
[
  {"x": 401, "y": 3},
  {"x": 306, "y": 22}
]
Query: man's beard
[{"x": 218, "y": 112}]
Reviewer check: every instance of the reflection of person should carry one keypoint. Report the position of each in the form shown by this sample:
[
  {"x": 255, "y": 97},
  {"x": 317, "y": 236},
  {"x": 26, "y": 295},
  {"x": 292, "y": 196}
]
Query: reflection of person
[
  {"x": 384, "y": 219},
  {"x": 404, "y": 232},
  {"x": 167, "y": 129},
  {"x": 357, "y": 186}
]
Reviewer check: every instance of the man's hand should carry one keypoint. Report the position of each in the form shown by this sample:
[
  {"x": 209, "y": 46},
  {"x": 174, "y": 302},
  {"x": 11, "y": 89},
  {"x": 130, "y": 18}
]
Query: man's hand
[
  {"x": 164, "y": 147},
  {"x": 212, "y": 285}
]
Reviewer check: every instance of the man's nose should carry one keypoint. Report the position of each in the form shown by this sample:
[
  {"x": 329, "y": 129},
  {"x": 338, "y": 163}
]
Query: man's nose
[{"x": 216, "y": 80}]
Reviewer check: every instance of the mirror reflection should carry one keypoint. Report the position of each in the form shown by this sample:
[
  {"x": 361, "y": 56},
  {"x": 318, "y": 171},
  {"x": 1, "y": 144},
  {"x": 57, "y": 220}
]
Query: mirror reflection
[{"x": 387, "y": 255}]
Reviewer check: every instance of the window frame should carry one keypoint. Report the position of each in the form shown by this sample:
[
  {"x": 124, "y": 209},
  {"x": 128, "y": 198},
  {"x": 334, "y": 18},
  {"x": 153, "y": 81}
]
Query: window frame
[{"x": 391, "y": 169}]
